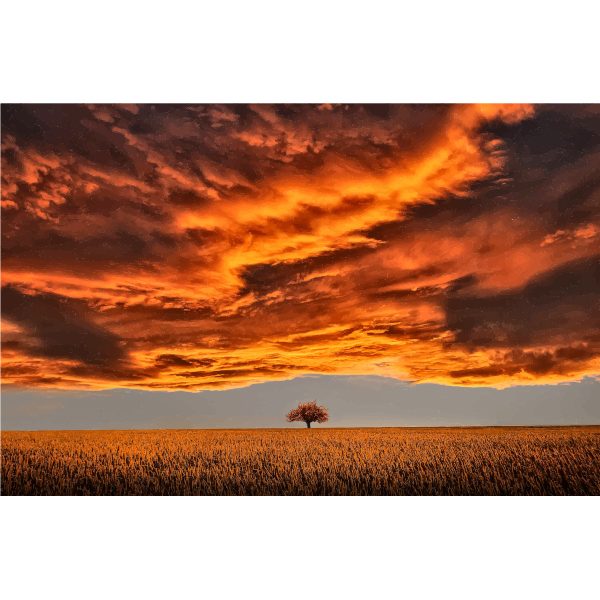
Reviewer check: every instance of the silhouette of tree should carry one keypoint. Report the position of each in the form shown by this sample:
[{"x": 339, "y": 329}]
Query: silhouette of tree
[{"x": 309, "y": 413}]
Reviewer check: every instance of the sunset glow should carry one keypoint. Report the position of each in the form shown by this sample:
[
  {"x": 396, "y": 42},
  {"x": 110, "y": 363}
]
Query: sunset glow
[{"x": 208, "y": 247}]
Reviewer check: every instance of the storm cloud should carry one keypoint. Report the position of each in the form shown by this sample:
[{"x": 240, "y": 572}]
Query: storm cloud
[{"x": 184, "y": 247}]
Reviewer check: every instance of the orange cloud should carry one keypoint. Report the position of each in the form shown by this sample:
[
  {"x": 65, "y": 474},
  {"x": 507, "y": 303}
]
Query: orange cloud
[{"x": 218, "y": 246}]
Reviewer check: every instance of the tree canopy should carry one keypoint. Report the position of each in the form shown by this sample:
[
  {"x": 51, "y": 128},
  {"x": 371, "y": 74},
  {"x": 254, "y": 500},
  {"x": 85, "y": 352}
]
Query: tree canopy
[{"x": 308, "y": 412}]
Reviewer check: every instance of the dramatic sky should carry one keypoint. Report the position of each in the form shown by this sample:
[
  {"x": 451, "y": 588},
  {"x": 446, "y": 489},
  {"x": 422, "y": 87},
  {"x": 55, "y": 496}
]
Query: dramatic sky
[{"x": 206, "y": 247}]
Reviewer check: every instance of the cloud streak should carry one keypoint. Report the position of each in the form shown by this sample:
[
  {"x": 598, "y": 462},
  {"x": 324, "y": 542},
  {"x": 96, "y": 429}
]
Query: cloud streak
[{"x": 207, "y": 247}]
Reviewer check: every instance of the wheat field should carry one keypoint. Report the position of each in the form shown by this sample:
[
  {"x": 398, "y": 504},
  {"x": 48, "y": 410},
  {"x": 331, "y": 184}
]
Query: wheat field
[{"x": 370, "y": 461}]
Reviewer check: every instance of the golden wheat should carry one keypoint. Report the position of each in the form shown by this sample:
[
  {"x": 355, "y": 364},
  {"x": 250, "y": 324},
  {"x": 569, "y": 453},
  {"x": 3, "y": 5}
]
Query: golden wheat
[{"x": 487, "y": 461}]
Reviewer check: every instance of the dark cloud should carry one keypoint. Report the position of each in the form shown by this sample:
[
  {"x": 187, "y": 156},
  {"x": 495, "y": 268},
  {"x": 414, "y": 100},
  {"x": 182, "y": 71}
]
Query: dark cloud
[
  {"x": 538, "y": 314},
  {"x": 61, "y": 326},
  {"x": 187, "y": 198},
  {"x": 172, "y": 360},
  {"x": 14, "y": 370},
  {"x": 578, "y": 196}
]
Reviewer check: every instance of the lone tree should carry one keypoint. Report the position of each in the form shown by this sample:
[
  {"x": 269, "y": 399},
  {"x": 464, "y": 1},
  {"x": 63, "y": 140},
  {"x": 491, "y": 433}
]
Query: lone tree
[{"x": 309, "y": 413}]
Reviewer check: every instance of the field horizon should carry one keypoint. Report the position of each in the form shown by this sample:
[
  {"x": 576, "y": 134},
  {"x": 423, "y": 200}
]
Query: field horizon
[
  {"x": 312, "y": 428},
  {"x": 513, "y": 460}
]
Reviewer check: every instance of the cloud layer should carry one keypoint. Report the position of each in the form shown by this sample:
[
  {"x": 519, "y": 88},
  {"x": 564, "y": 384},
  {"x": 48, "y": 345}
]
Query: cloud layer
[{"x": 206, "y": 247}]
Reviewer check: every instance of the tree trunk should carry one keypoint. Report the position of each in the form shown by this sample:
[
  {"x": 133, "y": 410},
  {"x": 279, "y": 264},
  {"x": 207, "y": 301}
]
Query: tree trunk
[{"x": 308, "y": 424}]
